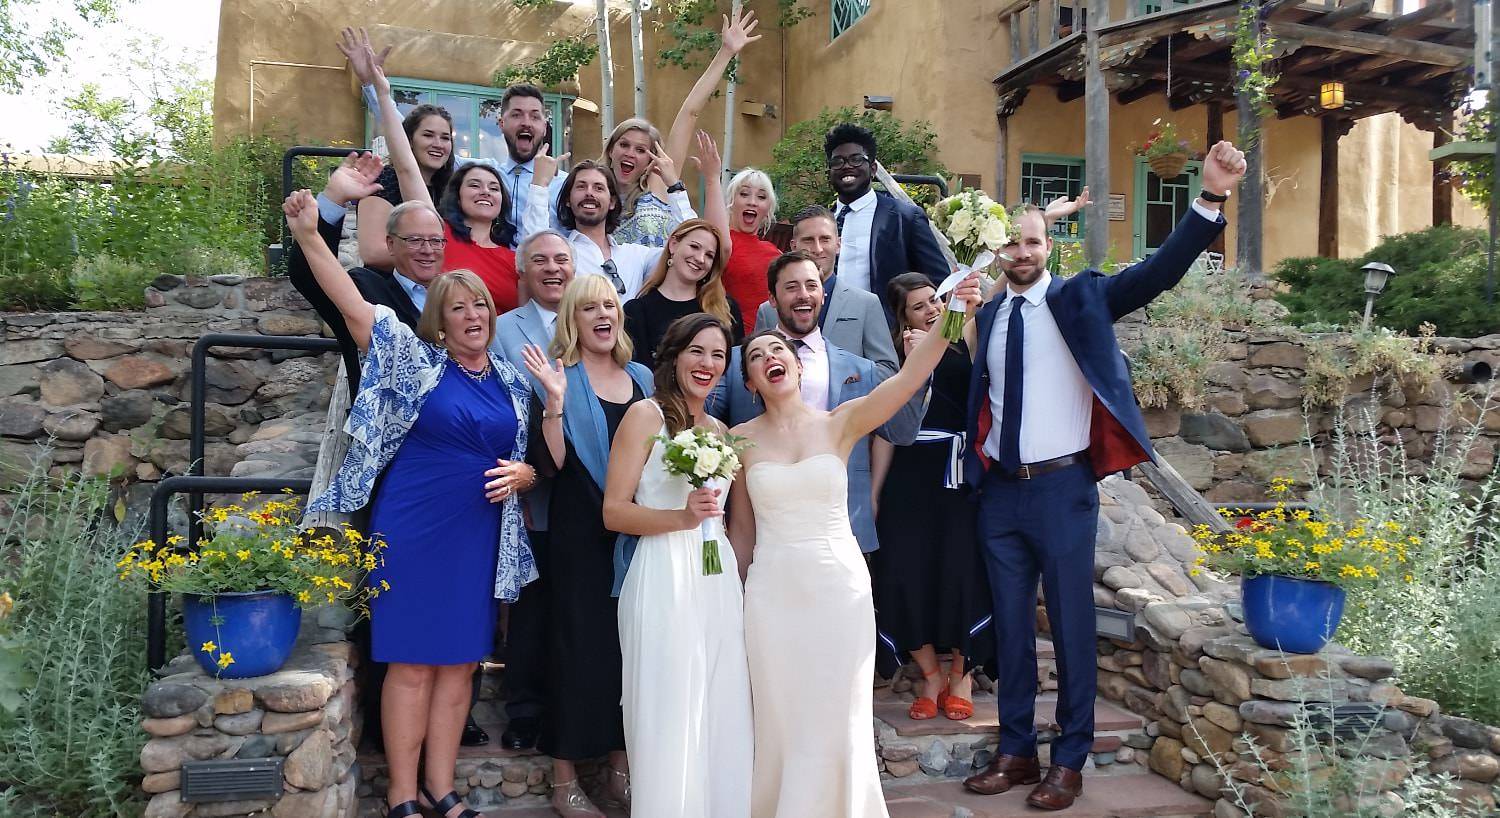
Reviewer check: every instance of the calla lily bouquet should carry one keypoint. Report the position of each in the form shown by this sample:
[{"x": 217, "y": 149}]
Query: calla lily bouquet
[
  {"x": 975, "y": 227},
  {"x": 700, "y": 455}
]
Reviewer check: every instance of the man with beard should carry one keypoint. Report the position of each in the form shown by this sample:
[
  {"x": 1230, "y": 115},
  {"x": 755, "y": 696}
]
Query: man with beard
[
  {"x": 880, "y": 236},
  {"x": 830, "y": 376},
  {"x": 1051, "y": 410},
  {"x": 851, "y": 318},
  {"x": 523, "y": 122}
]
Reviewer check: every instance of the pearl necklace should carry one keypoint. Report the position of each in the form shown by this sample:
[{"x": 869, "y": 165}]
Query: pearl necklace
[{"x": 477, "y": 377}]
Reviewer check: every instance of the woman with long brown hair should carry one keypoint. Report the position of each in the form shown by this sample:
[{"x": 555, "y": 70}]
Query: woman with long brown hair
[
  {"x": 686, "y": 682},
  {"x": 687, "y": 279}
]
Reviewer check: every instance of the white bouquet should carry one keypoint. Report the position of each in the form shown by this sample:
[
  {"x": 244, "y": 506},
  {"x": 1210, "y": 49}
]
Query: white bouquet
[
  {"x": 700, "y": 455},
  {"x": 975, "y": 227}
]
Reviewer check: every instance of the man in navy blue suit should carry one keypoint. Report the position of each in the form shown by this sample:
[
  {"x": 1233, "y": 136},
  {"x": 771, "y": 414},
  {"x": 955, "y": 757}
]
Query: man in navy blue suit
[
  {"x": 1051, "y": 410},
  {"x": 880, "y": 236}
]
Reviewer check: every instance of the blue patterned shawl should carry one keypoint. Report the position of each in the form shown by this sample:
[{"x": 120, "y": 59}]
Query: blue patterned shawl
[{"x": 400, "y": 371}]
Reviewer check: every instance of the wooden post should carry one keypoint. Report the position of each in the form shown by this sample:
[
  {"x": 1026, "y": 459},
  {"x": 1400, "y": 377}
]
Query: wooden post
[
  {"x": 1002, "y": 147},
  {"x": 1096, "y": 139},
  {"x": 1442, "y": 187},
  {"x": 1215, "y": 135},
  {"x": 1328, "y": 187},
  {"x": 1252, "y": 193}
]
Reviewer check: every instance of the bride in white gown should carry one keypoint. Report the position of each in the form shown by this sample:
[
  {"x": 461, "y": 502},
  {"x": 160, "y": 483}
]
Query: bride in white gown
[
  {"x": 686, "y": 691},
  {"x": 809, "y": 614}
]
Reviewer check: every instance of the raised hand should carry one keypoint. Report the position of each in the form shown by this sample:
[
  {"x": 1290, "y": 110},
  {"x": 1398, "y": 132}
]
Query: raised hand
[
  {"x": 354, "y": 178},
  {"x": 1223, "y": 168},
  {"x": 736, "y": 34},
  {"x": 547, "y": 373},
  {"x": 544, "y": 167},
  {"x": 971, "y": 289},
  {"x": 361, "y": 55},
  {"x": 301, "y": 211},
  {"x": 708, "y": 161},
  {"x": 663, "y": 166},
  {"x": 1063, "y": 207},
  {"x": 702, "y": 504},
  {"x": 910, "y": 338}
]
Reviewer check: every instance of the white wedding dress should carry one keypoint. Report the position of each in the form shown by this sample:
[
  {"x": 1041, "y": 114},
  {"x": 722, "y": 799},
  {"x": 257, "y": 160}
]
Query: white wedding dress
[
  {"x": 810, "y": 634},
  {"x": 686, "y": 686}
]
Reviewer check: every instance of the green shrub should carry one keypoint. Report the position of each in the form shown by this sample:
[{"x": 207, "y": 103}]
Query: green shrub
[
  {"x": 71, "y": 747},
  {"x": 105, "y": 282},
  {"x": 1186, "y": 335},
  {"x": 800, "y": 171}
]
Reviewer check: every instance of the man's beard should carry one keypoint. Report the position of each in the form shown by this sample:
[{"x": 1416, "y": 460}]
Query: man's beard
[
  {"x": 515, "y": 151},
  {"x": 1023, "y": 279},
  {"x": 789, "y": 319}
]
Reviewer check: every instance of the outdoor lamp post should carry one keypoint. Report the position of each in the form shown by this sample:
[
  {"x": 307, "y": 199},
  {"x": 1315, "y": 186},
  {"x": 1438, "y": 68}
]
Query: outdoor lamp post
[{"x": 1377, "y": 275}]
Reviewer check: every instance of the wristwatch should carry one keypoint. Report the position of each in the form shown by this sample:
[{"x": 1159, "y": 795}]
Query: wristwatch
[
  {"x": 677, "y": 187},
  {"x": 1210, "y": 196}
]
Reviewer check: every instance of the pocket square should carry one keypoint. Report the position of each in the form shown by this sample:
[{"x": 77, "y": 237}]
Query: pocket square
[
  {"x": 851, "y": 379},
  {"x": 845, "y": 318}
]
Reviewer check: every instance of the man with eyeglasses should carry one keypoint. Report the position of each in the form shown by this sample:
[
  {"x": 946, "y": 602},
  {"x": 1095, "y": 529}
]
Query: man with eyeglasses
[{"x": 880, "y": 236}]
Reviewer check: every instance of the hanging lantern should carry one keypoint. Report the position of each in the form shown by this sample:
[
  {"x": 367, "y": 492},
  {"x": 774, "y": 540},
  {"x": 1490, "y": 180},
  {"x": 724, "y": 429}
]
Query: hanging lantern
[{"x": 1331, "y": 95}]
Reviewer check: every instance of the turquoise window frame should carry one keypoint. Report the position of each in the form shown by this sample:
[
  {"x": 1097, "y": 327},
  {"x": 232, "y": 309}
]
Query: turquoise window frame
[
  {"x": 555, "y": 104},
  {"x": 843, "y": 14},
  {"x": 1070, "y": 229},
  {"x": 1193, "y": 170},
  {"x": 1153, "y": 6}
]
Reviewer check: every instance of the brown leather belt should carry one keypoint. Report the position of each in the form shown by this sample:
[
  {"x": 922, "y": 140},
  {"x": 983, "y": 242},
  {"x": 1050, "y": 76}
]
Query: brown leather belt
[{"x": 1030, "y": 470}]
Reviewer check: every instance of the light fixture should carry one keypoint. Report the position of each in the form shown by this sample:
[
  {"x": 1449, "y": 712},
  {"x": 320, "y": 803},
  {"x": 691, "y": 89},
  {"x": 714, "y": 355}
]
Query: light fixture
[
  {"x": 1331, "y": 95},
  {"x": 1377, "y": 275}
]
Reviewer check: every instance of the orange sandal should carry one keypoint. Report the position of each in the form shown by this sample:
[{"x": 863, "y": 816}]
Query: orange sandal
[
  {"x": 956, "y": 708},
  {"x": 924, "y": 708}
]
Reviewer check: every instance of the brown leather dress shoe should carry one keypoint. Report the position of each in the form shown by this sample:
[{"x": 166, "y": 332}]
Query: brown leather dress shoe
[
  {"x": 1058, "y": 790},
  {"x": 1004, "y": 772}
]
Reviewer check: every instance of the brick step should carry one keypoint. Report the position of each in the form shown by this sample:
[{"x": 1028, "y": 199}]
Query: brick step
[
  {"x": 1142, "y": 795},
  {"x": 891, "y": 709}
]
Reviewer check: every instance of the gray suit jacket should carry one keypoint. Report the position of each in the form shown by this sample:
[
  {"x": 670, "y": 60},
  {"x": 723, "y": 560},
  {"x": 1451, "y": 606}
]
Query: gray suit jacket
[
  {"x": 514, "y": 330},
  {"x": 856, "y": 322},
  {"x": 849, "y": 377}
]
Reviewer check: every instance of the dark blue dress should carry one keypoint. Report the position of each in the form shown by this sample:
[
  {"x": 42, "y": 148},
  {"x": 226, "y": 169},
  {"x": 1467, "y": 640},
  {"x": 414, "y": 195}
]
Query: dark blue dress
[{"x": 440, "y": 530}]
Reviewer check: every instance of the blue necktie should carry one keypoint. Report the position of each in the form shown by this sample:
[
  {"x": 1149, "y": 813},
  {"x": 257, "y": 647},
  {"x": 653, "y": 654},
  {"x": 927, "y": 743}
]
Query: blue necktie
[{"x": 1010, "y": 411}]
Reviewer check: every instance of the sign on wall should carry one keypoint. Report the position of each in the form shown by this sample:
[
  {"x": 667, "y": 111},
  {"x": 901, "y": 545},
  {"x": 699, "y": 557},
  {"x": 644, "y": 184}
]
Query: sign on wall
[{"x": 1117, "y": 207}]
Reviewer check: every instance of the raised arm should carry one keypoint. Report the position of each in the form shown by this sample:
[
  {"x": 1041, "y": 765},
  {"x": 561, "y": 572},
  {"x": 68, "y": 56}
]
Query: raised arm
[
  {"x": 711, "y": 165},
  {"x": 861, "y": 416},
  {"x": 302, "y": 218},
  {"x": 369, "y": 66},
  {"x": 734, "y": 37},
  {"x": 1063, "y": 207},
  {"x": 627, "y": 459},
  {"x": 554, "y": 383}
]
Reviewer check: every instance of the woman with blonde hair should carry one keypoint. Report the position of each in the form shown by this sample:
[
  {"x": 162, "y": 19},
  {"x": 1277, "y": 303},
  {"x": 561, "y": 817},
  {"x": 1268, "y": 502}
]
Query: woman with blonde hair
[
  {"x": 751, "y": 201},
  {"x": 588, "y": 387},
  {"x": 435, "y": 408},
  {"x": 688, "y": 278}
]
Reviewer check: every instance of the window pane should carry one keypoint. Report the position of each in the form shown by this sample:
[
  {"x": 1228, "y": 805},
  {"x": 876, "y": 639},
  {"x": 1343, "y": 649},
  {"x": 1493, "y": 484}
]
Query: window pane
[
  {"x": 1043, "y": 180},
  {"x": 461, "y": 108},
  {"x": 407, "y": 100},
  {"x": 491, "y": 141}
]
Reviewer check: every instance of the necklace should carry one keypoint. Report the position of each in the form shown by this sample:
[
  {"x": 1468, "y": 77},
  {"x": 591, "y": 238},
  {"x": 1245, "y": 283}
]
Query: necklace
[{"x": 477, "y": 377}]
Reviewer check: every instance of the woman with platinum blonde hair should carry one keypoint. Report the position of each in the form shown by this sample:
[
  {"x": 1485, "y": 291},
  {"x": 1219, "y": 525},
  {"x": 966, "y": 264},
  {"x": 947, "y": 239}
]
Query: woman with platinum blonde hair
[{"x": 751, "y": 201}]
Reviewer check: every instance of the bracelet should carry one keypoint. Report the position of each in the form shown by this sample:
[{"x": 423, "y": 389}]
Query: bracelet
[
  {"x": 549, "y": 416},
  {"x": 1209, "y": 196},
  {"x": 677, "y": 187}
]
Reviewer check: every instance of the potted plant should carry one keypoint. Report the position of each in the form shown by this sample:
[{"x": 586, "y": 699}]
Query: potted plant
[
  {"x": 1165, "y": 150},
  {"x": 244, "y": 586},
  {"x": 1295, "y": 570}
]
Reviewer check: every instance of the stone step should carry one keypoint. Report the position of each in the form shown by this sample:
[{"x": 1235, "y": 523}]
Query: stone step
[
  {"x": 1127, "y": 796},
  {"x": 891, "y": 709}
]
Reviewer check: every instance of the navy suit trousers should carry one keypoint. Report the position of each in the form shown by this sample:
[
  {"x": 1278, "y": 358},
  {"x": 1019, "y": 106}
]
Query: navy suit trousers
[
  {"x": 1043, "y": 528},
  {"x": 525, "y": 682}
]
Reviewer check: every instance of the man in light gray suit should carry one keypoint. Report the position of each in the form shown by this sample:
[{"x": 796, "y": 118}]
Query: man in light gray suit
[
  {"x": 850, "y": 318},
  {"x": 830, "y": 376},
  {"x": 545, "y": 263}
]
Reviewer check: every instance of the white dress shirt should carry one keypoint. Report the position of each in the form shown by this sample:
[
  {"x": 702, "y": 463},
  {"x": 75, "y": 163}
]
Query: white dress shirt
[
  {"x": 549, "y": 318},
  {"x": 813, "y": 353},
  {"x": 1057, "y": 402},
  {"x": 855, "y": 241},
  {"x": 516, "y": 176}
]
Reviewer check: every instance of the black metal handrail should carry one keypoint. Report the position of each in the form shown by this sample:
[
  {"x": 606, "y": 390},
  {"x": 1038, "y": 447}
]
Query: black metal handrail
[
  {"x": 923, "y": 179},
  {"x": 287, "y": 160},
  {"x": 156, "y": 601}
]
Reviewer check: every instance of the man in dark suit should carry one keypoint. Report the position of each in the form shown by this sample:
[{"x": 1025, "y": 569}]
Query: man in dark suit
[
  {"x": 881, "y": 237},
  {"x": 1051, "y": 410},
  {"x": 831, "y": 376}
]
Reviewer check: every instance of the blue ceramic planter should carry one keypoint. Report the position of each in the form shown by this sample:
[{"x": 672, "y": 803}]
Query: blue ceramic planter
[
  {"x": 1292, "y": 615},
  {"x": 257, "y": 628}
]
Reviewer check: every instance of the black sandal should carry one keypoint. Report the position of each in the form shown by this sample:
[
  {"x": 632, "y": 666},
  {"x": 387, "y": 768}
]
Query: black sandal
[
  {"x": 448, "y": 802},
  {"x": 403, "y": 809}
]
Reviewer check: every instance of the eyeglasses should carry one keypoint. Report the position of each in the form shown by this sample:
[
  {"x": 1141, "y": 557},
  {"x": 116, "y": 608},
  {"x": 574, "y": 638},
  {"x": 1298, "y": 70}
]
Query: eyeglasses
[
  {"x": 858, "y": 160},
  {"x": 614, "y": 277},
  {"x": 419, "y": 242}
]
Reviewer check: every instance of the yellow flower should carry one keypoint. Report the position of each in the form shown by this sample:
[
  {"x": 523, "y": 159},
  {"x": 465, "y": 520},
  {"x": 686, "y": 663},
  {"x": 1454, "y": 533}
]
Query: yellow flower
[
  {"x": 6, "y": 604},
  {"x": 385, "y": 586},
  {"x": 209, "y": 647},
  {"x": 225, "y": 659},
  {"x": 1311, "y": 566},
  {"x": 331, "y": 597},
  {"x": 1371, "y": 572},
  {"x": 243, "y": 555},
  {"x": 304, "y": 596},
  {"x": 174, "y": 539},
  {"x": 1349, "y": 571}
]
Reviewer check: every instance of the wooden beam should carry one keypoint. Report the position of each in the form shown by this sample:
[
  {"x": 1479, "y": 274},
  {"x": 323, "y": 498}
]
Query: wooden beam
[
  {"x": 1442, "y": 187},
  {"x": 1002, "y": 154},
  {"x": 1096, "y": 140},
  {"x": 1035, "y": 22},
  {"x": 1200, "y": 48},
  {"x": 1213, "y": 132},
  {"x": 1140, "y": 92},
  {"x": 1433, "y": 9},
  {"x": 1374, "y": 44},
  {"x": 1024, "y": 72},
  {"x": 1170, "y": 20},
  {"x": 1328, "y": 188},
  {"x": 1348, "y": 15}
]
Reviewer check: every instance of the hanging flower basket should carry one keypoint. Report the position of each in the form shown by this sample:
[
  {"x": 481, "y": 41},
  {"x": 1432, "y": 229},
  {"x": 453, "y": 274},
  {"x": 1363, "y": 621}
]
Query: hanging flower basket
[{"x": 1169, "y": 165}]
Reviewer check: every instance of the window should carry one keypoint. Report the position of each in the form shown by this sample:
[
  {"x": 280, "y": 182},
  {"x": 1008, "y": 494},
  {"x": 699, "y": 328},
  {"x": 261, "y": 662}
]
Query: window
[
  {"x": 1161, "y": 203},
  {"x": 1153, "y": 6},
  {"x": 846, "y": 12},
  {"x": 1045, "y": 177},
  {"x": 476, "y": 115}
]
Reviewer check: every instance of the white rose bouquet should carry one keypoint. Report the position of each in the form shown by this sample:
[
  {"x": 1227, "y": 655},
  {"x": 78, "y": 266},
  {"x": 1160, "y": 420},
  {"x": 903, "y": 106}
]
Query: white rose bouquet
[
  {"x": 975, "y": 227},
  {"x": 700, "y": 455}
]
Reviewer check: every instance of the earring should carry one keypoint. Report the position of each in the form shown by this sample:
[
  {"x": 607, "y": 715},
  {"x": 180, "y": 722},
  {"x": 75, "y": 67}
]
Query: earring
[
  {"x": 669, "y": 261},
  {"x": 442, "y": 336}
]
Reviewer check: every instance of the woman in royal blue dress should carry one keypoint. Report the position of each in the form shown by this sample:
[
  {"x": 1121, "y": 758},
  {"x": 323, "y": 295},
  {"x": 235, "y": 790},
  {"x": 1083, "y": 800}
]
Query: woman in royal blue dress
[{"x": 436, "y": 408}]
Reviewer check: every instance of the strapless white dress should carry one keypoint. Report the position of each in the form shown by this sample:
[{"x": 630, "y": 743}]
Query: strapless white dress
[
  {"x": 810, "y": 634},
  {"x": 686, "y": 691}
]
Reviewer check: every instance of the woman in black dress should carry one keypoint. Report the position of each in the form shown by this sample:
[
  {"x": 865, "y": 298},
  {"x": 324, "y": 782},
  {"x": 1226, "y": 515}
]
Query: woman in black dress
[
  {"x": 931, "y": 593},
  {"x": 588, "y": 388}
]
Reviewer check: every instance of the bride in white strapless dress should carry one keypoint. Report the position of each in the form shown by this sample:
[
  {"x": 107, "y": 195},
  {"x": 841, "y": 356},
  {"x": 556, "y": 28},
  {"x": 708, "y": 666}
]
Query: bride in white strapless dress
[{"x": 809, "y": 613}]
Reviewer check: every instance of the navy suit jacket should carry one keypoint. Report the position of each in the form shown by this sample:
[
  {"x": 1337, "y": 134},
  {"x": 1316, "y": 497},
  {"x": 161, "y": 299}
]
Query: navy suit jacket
[
  {"x": 514, "y": 330},
  {"x": 901, "y": 241},
  {"x": 849, "y": 377},
  {"x": 1085, "y": 308}
]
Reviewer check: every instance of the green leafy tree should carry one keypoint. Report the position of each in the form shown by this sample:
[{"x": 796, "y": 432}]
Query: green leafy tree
[
  {"x": 800, "y": 171},
  {"x": 557, "y": 65},
  {"x": 34, "y": 34},
  {"x": 692, "y": 28}
]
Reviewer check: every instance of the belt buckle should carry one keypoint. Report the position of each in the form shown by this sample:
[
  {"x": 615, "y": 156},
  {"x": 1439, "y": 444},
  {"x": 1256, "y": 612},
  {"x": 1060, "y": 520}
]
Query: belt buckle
[{"x": 1023, "y": 473}]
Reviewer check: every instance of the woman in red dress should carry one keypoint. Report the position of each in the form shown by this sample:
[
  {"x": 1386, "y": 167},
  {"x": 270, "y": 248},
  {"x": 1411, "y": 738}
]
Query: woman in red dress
[{"x": 752, "y": 211}]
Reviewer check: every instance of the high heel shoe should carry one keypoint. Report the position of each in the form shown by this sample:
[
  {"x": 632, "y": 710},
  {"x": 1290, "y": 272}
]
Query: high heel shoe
[
  {"x": 955, "y": 707},
  {"x": 924, "y": 708},
  {"x": 448, "y": 802},
  {"x": 569, "y": 801},
  {"x": 404, "y": 809},
  {"x": 617, "y": 789}
]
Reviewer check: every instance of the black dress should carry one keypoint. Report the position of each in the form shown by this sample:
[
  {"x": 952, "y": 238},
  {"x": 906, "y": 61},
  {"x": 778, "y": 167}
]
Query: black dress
[
  {"x": 928, "y": 575},
  {"x": 581, "y": 718},
  {"x": 647, "y": 318}
]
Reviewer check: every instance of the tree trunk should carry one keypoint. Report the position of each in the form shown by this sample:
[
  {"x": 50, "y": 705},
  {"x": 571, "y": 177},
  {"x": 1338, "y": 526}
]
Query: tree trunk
[
  {"x": 606, "y": 69},
  {"x": 638, "y": 58},
  {"x": 729, "y": 93}
]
